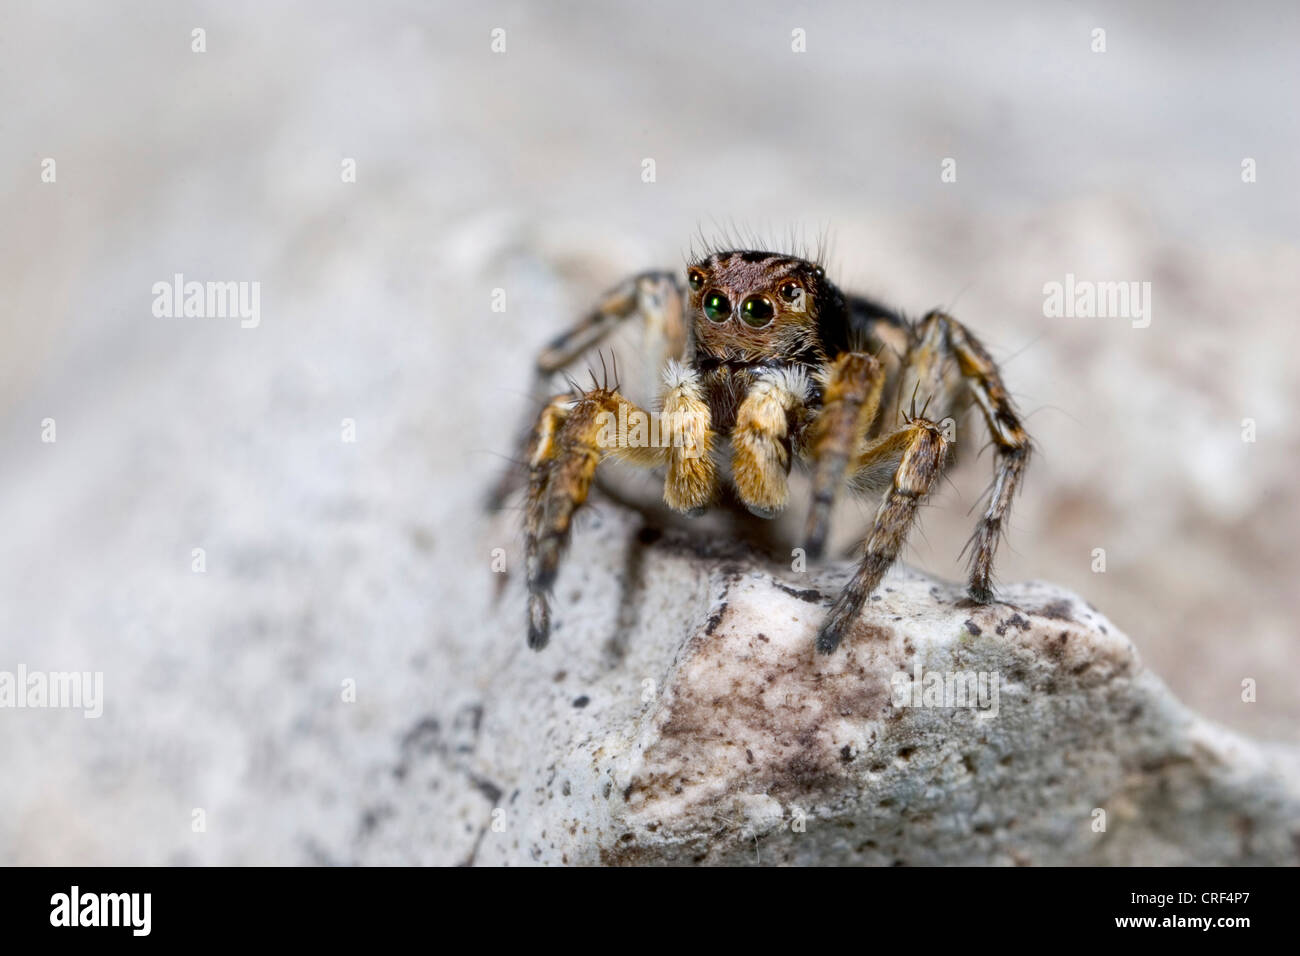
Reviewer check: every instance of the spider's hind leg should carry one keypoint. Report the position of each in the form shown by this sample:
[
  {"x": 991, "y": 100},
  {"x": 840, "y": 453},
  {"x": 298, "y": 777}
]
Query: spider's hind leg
[
  {"x": 1012, "y": 443},
  {"x": 653, "y": 298}
]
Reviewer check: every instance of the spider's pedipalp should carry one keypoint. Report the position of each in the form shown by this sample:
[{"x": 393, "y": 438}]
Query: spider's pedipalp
[
  {"x": 688, "y": 437},
  {"x": 760, "y": 440}
]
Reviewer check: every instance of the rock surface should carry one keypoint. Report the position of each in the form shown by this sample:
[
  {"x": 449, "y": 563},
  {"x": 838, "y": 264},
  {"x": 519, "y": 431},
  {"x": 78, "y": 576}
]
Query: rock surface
[{"x": 681, "y": 716}]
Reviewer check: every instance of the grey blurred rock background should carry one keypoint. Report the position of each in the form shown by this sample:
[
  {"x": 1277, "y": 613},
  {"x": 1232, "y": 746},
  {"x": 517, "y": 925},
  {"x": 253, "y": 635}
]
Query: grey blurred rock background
[{"x": 369, "y": 561}]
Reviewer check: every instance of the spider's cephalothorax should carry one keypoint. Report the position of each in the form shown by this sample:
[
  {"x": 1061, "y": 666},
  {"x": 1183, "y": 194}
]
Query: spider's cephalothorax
[{"x": 766, "y": 362}]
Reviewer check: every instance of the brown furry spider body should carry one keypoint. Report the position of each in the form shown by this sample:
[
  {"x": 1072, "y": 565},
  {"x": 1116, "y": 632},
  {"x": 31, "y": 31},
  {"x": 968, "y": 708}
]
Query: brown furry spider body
[{"x": 764, "y": 354}]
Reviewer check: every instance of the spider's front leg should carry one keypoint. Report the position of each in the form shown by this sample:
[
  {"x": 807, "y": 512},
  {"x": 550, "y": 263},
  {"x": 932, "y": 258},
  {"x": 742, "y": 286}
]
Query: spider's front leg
[
  {"x": 919, "y": 450},
  {"x": 571, "y": 439},
  {"x": 850, "y": 401}
]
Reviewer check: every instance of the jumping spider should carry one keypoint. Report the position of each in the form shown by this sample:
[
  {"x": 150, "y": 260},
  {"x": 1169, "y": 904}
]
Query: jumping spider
[{"x": 763, "y": 351}]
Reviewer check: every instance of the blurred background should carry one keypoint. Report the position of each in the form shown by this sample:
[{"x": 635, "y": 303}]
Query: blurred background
[{"x": 329, "y": 560}]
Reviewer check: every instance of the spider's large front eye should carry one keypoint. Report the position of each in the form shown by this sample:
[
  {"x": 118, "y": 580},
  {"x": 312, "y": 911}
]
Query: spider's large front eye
[
  {"x": 757, "y": 311},
  {"x": 696, "y": 278},
  {"x": 717, "y": 306}
]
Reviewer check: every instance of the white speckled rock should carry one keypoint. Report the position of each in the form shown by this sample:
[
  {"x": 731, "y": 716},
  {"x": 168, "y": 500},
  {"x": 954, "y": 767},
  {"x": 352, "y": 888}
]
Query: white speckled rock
[{"x": 680, "y": 715}]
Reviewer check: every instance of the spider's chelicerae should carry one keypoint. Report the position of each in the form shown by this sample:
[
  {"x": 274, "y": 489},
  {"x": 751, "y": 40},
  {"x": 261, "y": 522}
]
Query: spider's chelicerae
[{"x": 767, "y": 362}]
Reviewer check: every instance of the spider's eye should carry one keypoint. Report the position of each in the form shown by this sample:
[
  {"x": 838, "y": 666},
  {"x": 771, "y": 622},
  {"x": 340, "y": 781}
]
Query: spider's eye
[
  {"x": 790, "y": 291},
  {"x": 696, "y": 278},
  {"x": 757, "y": 311},
  {"x": 717, "y": 306}
]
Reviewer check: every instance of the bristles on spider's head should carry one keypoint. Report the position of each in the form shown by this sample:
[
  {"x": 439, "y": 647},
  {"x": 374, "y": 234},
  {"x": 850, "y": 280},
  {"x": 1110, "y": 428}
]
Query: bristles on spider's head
[{"x": 733, "y": 238}]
